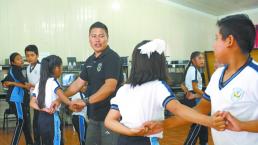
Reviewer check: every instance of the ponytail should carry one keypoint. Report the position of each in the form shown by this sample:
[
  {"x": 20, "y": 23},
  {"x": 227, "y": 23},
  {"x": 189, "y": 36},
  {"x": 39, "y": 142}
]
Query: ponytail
[
  {"x": 48, "y": 64},
  {"x": 193, "y": 56}
]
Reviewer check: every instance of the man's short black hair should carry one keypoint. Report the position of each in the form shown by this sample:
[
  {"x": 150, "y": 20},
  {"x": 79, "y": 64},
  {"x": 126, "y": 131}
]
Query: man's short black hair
[
  {"x": 99, "y": 25},
  {"x": 241, "y": 28},
  {"x": 32, "y": 48}
]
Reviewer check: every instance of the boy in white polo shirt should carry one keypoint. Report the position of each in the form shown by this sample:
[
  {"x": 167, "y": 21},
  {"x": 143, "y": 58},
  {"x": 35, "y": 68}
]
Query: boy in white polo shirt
[
  {"x": 233, "y": 87},
  {"x": 33, "y": 76}
]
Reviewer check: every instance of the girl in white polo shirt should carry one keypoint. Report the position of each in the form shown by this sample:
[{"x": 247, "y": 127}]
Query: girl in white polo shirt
[
  {"x": 145, "y": 96},
  {"x": 46, "y": 91}
]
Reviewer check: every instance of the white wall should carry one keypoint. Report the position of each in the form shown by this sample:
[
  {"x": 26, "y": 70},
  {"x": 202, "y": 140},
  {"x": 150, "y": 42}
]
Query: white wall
[{"x": 61, "y": 26}]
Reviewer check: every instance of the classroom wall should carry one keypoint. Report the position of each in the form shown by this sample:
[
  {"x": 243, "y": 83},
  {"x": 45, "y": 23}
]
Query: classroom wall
[{"x": 61, "y": 26}]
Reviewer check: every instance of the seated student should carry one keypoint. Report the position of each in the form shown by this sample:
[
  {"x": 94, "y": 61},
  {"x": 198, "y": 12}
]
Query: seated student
[
  {"x": 16, "y": 83},
  {"x": 79, "y": 118},
  {"x": 145, "y": 97}
]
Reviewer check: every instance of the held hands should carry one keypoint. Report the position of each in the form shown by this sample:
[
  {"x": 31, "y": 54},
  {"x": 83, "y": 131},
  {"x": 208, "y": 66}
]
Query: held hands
[{"x": 77, "y": 105}]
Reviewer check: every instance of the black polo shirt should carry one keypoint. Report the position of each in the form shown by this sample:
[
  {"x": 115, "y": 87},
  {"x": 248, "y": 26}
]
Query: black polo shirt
[{"x": 96, "y": 70}]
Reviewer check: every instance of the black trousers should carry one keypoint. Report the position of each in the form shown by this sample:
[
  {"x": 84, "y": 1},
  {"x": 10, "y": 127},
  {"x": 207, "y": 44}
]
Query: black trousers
[
  {"x": 22, "y": 124},
  {"x": 197, "y": 131},
  {"x": 36, "y": 135},
  {"x": 50, "y": 128},
  {"x": 80, "y": 126}
]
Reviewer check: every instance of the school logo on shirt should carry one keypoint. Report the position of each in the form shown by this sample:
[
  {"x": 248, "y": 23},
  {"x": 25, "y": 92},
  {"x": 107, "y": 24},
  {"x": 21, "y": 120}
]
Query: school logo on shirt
[
  {"x": 237, "y": 94},
  {"x": 99, "y": 67}
]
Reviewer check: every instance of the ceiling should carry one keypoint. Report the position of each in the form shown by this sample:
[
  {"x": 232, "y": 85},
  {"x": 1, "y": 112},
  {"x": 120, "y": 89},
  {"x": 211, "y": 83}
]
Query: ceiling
[{"x": 219, "y": 7}]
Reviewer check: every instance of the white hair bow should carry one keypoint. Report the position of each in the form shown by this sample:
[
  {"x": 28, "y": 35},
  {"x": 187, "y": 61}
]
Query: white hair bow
[{"x": 157, "y": 45}]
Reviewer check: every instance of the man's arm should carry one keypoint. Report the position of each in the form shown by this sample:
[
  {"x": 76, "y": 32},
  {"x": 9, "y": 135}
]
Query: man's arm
[
  {"x": 74, "y": 87},
  {"x": 104, "y": 92}
]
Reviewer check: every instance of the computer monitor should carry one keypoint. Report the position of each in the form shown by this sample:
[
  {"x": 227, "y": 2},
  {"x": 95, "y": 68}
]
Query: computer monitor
[
  {"x": 71, "y": 62},
  {"x": 68, "y": 78},
  {"x": 177, "y": 78}
]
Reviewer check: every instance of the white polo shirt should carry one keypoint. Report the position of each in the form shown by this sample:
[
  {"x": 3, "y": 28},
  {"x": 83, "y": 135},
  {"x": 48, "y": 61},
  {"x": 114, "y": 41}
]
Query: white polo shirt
[
  {"x": 33, "y": 74},
  {"x": 239, "y": 96},
  {"x": 50, "y": 91},
  {"x": 193, "y": 75},
  {"x": 142, "y": 103},
  {"x": 83, "y": 113}
]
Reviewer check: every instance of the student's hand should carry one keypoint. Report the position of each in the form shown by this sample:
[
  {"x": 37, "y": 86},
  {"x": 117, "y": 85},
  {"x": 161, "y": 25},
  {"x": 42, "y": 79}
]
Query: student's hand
[
  {"x": 218, "y": 121},
  {"x": 48, "y": 110},
  {"x": 27, "y": 86},
  {"x": 8, "y": 83},
  {"x": 140, "y": 131},
  {"x": 77, "y": 105},
  {"x": 153, "y": 127},
  {"x": 4, "y": 85},
  {"x": 55, "y": 104},
  {"x": 190, "y": 95},
  {"x": 231, "y": 122}
]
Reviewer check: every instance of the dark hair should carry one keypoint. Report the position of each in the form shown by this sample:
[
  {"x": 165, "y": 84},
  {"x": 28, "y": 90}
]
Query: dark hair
[
  {"x": 32, "y": 48},
  {"x": 241, "y": 28},
  {"x": 193, "y": 56},
  {"x": 145, "y": 69},
  {"x": 12, "y": 57},
  {"x": 48, "y": 64},
  {"x": 99, "y": 25}
]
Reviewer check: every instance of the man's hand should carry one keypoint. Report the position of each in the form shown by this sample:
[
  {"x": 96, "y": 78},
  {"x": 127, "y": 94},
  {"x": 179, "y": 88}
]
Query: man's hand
[{"x": 77, "y": 105}]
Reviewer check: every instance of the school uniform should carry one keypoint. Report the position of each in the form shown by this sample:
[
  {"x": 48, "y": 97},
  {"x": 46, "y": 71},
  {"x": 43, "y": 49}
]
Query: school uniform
[
  {"x": 237, "y": 95},
  {"x": 49, "y": 125},
  {"x": 140, "y": 104},
  {"x": 33, "y": 76},
  {"x": 197, "y": 130},
  {"x": 15, "y": 97},
  {"x": 79, "y": 120}
]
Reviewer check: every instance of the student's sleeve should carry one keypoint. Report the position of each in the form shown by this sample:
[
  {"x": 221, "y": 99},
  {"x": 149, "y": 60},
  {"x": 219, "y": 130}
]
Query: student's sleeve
[
  {"x": 208, "y": 91},
  {"x": 112, "y": 68},
  {"x": 84, "y": 73},
  {"x": 17, "y": 72},
  {"x": 164, "y": 94},
  {"x": 116, "y": 100},
  {"x": 192, "y": 74},
  {"x": 56, "y": 86},
  {"x": 35, "y": 91}
]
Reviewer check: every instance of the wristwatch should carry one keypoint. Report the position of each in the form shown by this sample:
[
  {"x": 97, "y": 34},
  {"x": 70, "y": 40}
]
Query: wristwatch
[{"x": 86, "y": 101}]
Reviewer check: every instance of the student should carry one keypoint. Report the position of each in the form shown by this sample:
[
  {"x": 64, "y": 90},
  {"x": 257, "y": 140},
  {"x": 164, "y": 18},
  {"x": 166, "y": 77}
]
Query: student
[
  {"x": 79, "y": 118},
  {"x": 33, "y": 75},
  {"x": 193, "y": 83},
  {"x": 45, "y": 92},
  {"x": 145, "y": 97},
  {"x": 233, "y": 87},
  {"x": 16, "y": 83}
]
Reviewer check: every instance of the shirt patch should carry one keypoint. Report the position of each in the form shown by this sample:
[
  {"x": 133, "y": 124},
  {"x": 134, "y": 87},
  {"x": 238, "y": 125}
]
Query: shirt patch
[
  {"x": 99, "y": 67},
  {"x": 237, "y": 94}
]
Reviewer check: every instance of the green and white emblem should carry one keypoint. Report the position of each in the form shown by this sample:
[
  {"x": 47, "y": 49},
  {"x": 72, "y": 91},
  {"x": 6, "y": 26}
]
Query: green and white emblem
[{"x": 99, "y": 67}]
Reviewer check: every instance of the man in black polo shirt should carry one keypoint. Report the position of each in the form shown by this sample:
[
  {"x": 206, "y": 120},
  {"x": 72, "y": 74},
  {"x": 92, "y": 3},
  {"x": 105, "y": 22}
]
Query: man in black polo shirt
[{"x": 102, "y": 71}]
